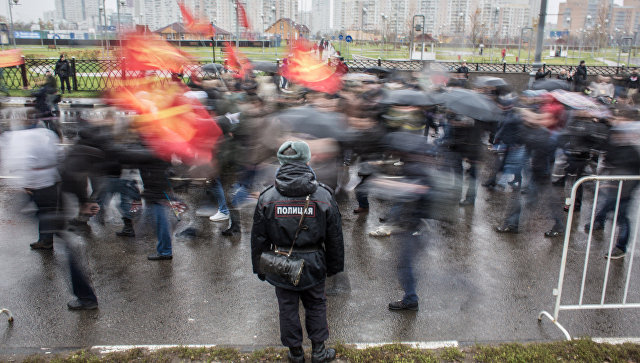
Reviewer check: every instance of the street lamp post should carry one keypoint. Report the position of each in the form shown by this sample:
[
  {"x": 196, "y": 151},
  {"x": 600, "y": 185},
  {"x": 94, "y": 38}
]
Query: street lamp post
[
  {"x": 494, "y": 27},
  {"x": 384, "y": 19},
  {"x": 106, "y": 33},
  {"x": 118, "y": 4},
  {"x": 537, "y": 62},
  {"x": 13, "y": 35},
  {"x": 364, "y": 14},
  {"x": 237, "y": 26},
  {"x": 100, "y": 10},
  {"x": 520, "y": 44},
  {"x": 275, "y": 37},
  {"x": 568, "y": 20}
]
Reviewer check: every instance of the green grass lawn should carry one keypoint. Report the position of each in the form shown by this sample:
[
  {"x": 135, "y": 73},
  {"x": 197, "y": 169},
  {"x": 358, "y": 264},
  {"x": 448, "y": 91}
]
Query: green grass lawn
[
  {"x": 386, "y": 51},
  {"x": 582, "y": 350}
]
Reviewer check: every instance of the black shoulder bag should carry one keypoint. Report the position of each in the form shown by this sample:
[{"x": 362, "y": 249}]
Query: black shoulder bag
[{"x": 280, "y": 262}]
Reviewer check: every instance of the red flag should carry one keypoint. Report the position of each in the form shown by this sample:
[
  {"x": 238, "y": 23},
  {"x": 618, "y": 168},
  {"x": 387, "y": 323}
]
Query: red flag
[
  {"x": 305, "y": 69},
  {"x": 170, "y": 123},
  {"x": 194, "y": 24},
  {"x": 236, "y": 61},
  {"x": 10, "y": 58},
  {"x": 242, "y": 16},
  {"x": 143, "y": 52}
]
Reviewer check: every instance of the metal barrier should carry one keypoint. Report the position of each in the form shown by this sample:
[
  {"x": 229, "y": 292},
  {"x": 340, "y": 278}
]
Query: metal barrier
[
  {"x": 581, "y": 305},
  {"x": 102, "y": 74}
]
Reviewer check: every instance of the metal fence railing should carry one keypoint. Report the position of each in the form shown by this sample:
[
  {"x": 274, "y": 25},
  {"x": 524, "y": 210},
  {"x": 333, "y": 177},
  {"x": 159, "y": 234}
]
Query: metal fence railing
[
  {"x": 102, "y": 74},
  {"x": 599, "y": 284}
]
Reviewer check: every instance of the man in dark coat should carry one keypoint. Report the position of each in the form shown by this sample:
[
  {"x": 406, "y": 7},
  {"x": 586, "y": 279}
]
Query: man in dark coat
[
  {"x": 63, "y": 70},
  {"x": 319, "y": 243},
  {"x": 580, "y": 77}
]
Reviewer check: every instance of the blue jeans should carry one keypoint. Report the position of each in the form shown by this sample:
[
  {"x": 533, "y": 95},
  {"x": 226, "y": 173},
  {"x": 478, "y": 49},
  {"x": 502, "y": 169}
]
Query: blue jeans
[
  {"x": 126, "y": 188},
  {"x": 163, "y": 232},
  {"x": 410, "y": 247},
  {"x": 218, "y": 193}
]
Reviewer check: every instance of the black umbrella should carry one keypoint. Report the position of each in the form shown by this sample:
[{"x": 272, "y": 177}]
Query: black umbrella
[
  {"x": 408, "y": 97},
  {"x": 311, "y": 121},
  {"x": 213, "y": 67},
  {"x": 550, "y": 85},
  {"x": 265, "y": 66},
  {"x": 490, "y": 82},
  {"x": 471, "y": 104}
]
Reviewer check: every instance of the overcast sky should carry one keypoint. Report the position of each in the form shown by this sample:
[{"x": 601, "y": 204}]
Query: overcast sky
[{"x": 33, "y": 9}]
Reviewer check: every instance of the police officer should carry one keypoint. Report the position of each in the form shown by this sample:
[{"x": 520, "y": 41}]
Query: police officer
[{"x": 319, "y": 243}]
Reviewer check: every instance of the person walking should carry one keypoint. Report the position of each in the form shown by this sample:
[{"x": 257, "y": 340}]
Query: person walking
[
  {"x": 276, "y": 224},
  {"x": 63, "y": 70},
  {"x": 33, "y": 156}
]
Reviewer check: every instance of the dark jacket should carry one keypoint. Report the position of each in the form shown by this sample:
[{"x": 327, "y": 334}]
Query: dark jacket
[
  {"x": 541, "y": 75},
  {"x": 275, "y": 223},
  {"x": 581, "y": 74},
  {"x": 63, "y": 69},
  {"x": 463, "y": 69}
]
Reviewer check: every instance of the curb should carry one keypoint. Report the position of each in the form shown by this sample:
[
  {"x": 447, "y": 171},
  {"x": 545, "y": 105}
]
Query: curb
[
  {"x": 62, "y": 105},
  {"x": 430, "y": 345}
]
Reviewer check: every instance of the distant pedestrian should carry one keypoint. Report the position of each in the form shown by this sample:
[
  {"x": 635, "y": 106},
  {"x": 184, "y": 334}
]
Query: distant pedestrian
[
  {"x": 580, "y": 77},
  {"x": 278, "y": 223},
  {"x": 321, "y": 47},
  {"x": 63, "y": 70},
  {"x": 541, "y": 74},
  {"x": 463, "y": 69},
  {"x": 633, "y": 85}
]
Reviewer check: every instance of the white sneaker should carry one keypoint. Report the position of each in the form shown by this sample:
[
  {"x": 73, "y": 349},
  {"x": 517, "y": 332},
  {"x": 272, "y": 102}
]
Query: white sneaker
[
  {"x": 381, "y": 231},
  {"x": 219, "y": 217}
]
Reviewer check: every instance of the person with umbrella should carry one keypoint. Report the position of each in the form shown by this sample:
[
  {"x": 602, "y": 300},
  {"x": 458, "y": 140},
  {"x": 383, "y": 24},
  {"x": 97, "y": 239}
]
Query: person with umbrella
[
  {"x": 540, "y": 138},
  {"x": 465, "y": 112}
]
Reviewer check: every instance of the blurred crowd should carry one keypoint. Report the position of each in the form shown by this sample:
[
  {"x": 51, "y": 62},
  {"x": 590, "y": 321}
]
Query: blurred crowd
[{"x": 423, "y": 142}]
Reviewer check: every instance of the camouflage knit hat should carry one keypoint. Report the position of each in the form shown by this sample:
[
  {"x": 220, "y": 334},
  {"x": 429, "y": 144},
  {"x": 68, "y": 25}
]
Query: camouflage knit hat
[{"x": 294, "y": 151}]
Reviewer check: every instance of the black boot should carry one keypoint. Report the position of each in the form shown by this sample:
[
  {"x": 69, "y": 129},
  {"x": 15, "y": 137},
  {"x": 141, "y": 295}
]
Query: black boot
[
  {"x": 43, "y": 244},
  {"x": 321, "y": 354},
  {"x": 234, "y": 216},
  {"x": 234, "y": 228},
  {"x": 127, "y": 230},
  {"x": 296, "y": 355}
]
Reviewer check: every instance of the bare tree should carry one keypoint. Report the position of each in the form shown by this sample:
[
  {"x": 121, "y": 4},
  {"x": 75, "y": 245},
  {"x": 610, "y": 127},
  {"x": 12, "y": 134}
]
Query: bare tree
[
  {"x": 601, "y": 31},
  {"x": 477, "y": 31}
]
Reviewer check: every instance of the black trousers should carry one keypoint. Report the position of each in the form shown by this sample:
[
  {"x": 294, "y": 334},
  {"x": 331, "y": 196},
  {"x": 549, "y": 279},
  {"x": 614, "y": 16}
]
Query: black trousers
[
  {"x": 62, "y": 81},
  {"x": 314, "y": 301},
  {"x": 48, "y": 202}
]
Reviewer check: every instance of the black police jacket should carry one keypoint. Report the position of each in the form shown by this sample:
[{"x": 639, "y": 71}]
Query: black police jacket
[{"x": 276, "y": 219}]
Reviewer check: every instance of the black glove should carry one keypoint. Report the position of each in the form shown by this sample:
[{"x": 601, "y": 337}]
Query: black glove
[{"x": 262, "y": 277}]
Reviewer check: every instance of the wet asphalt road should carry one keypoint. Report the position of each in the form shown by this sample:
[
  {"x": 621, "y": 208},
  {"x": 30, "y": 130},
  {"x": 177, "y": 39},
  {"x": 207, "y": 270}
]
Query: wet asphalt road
[{"x": 474, "y": 285}]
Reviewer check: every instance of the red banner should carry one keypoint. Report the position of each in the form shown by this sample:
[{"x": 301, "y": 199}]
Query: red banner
[
  {"x": 236, "y": 61},
  {"x": 242, "y": 16},
  {"x": 196, "y": 25},
  {"x": 305, "y": 69},
  {"x": 10, "y": 58},
  {"x": 171, "y": 124},
  {"x": 152, "y": 52}
]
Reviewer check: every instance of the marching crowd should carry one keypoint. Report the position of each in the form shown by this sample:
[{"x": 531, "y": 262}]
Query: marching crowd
[{"x": 422, "y": 141}]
